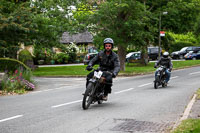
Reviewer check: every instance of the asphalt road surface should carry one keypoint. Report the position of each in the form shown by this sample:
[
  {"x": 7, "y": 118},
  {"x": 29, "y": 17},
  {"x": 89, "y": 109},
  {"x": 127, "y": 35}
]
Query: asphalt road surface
[{"x": 134, "y": 106}]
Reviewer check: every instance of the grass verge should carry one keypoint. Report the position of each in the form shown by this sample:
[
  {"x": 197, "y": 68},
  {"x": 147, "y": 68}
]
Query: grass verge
[
  {"x": 131, "y": 69},
  {"x": 198, "y": 94},
  {"x": 188, "y": 126}
]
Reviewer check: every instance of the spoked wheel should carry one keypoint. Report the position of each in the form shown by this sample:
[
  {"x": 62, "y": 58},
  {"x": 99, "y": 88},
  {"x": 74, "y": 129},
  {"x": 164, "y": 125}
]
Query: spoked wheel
[
  {"x": 156, "y": 84},
  {"x": 87, "y": 98},
  {"x": 100, "y": 101},
  {"x": 164, "y": 84}
]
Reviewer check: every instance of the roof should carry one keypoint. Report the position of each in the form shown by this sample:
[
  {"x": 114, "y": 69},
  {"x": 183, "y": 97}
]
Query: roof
[{"x": 84, "y": 37}]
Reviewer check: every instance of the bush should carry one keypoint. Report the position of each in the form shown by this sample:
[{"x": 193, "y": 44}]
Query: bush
[
  {"x": 17, "y": 82},
  {"x": 72, "y": 57},
  {"x": 10, "y": 65},
  {"x": 62, "y": 58},
  {"x": 26, "y": 57},
  {"x": 39, "y": 53}
]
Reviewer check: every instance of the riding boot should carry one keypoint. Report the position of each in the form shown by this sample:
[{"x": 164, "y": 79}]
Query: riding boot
[{"x": 106, "y": 91}]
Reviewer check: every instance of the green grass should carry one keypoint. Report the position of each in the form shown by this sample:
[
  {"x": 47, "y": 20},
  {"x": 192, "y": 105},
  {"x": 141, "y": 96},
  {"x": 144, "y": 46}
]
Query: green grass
[
  {"x": 61, "y": 71},
  {"x": 131, "y": 69},
  {"x": 188, "y": 126},
  {"x": 198, "y": 94}
]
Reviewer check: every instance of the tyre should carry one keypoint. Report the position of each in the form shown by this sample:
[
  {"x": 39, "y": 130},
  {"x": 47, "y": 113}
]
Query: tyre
[
  {"x": 87, "y": 97},
  {"x": 156, "y": 85},
  {"x": 100, "y": 101},
  {"x": 194, "y": 58},
  {"x": 181, "y": 56},
  {"x": 164, "y": 85}
]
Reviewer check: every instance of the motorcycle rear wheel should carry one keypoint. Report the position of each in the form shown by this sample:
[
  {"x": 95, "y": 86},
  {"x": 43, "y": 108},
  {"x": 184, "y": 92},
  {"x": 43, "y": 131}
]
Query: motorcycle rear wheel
[
  {"x": 100, "y": 101},
  {"x": 88, "y": 96},
  {"x": 156, "y": 83}
]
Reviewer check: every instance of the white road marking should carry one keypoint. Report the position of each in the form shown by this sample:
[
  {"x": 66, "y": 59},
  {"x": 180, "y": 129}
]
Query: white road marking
[
  {"x": 46, "y": 90},
  {"x": 174, "y": 77},
  {"x": 59, "y": 88},
  {"x": 194, "y": 73},
  {"x": 145, "y": 84},
  {"x": 124, "y": 90},
  {"x": 10, "y": 118},
  {"x": 64, "y": 104}
]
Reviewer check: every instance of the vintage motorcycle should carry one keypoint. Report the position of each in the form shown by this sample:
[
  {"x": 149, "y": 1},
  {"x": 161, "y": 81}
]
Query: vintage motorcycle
[
  {"x": 160, "y": 78},
  {"x": 95, "y": 89}
]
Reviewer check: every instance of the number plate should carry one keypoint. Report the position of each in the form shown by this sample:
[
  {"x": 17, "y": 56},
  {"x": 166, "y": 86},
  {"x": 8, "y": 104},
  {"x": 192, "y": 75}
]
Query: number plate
[{"x": 98, "y": 74}]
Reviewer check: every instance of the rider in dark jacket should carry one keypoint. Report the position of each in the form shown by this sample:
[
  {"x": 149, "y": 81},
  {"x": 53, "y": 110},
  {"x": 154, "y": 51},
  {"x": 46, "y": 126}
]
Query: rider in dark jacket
[
  {"x": 165, "y": 60},
  {"x": 108, "y": 61}
]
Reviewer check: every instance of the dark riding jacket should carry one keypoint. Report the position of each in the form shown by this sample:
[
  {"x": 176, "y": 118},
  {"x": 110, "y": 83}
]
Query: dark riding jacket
[
  {"x": 165, "y": 62},
  {"x": 107, "y": 62}
]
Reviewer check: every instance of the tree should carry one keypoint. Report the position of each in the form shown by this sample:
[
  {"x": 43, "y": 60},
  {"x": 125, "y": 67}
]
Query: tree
[
  {"x": 15, "y": 25},
  {"x": 182, "y": 15},
  {"x": 39, "y": 22},
  {"x": 124, "y": 21},
  {"x": 197, "y": 28}
]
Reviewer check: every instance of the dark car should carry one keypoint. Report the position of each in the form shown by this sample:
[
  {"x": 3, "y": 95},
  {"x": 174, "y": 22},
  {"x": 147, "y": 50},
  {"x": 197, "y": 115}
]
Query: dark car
[
  {"x": 180, "y": 54},
  {"x": 192, "y": 55},
  {"x": 89, "y": 57},
  {"x": 153, "y": 53}
]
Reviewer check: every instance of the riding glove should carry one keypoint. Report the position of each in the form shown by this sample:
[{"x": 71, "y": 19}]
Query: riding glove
[
  {"x": 89, "y": 68},
  {"x": 113, "y": 75}
]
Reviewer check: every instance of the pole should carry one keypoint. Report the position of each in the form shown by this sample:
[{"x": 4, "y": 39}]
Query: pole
[{"x": 159, "y": 37}]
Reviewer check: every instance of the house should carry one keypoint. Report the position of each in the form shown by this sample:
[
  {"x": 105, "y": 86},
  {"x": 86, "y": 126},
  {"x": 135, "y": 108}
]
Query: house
[{"x": 82, "y": 40}]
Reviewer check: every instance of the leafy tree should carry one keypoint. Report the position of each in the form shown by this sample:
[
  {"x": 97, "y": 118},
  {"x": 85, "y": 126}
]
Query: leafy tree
[
  {"x": 15, "y": 25},
  {"x": 182, "y": 15},
  {"x": 39, "y": 22},
  {"x": 197, "y": 29},
  {"x": 124, "y": 21}
]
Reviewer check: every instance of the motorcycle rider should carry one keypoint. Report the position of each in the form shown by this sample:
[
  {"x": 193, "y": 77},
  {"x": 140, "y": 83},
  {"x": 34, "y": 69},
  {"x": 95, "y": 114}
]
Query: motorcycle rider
[
  {"x": 108, "y": 61},
  {"x": 165, "y": 60}
]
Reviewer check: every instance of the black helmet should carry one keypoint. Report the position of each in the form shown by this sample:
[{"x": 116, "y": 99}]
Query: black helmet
[
  {"x": 108, "y": 40},
  {"x": 165, "y": 54}
]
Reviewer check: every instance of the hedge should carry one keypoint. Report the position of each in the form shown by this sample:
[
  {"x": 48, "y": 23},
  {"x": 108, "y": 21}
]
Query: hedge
[{"x": 10, "y": 65}]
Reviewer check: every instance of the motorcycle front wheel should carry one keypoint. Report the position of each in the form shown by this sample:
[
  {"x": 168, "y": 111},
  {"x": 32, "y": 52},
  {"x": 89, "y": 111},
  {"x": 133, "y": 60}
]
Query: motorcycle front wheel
[{"x": 88, "y": 96}]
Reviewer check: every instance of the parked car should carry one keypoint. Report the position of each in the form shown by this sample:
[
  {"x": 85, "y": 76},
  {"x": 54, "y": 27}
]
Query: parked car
[
  {"x": 89, "y": 57},
  {"x": 153, "y": 53},
  {"x": 180, "y": 54},
  {"x": 133, "y": 57},
  {"x": 192, "y": 55}
]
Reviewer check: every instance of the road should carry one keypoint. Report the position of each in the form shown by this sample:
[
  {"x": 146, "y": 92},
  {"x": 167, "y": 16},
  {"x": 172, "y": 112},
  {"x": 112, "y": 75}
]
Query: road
[{"x": 133, "y": 106}]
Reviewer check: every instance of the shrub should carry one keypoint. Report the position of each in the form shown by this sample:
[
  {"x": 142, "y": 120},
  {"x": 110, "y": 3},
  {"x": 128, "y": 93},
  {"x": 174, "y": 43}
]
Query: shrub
[
  {"x": 10, "y": 65},
  {"x": 18, "y": 82},
  {"x": 62, "y": 58},
  {"x": 26, "y": 57}
]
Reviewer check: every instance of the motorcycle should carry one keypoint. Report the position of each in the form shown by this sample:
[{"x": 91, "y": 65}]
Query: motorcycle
[
  {"x": 95, "y": 89},
  {"x": 160, "y": 78}
]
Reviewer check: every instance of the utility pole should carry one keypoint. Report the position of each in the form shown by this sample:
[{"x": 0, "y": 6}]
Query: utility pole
[{"x": 159, "y": 38}]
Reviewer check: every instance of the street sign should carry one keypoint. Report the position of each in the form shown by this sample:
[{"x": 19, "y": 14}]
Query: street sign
[{"x": 162, "y": 33}]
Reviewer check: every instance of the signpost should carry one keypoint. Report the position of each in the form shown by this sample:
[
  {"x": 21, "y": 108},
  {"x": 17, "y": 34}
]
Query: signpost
[{"x": 162, "y": 33}]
